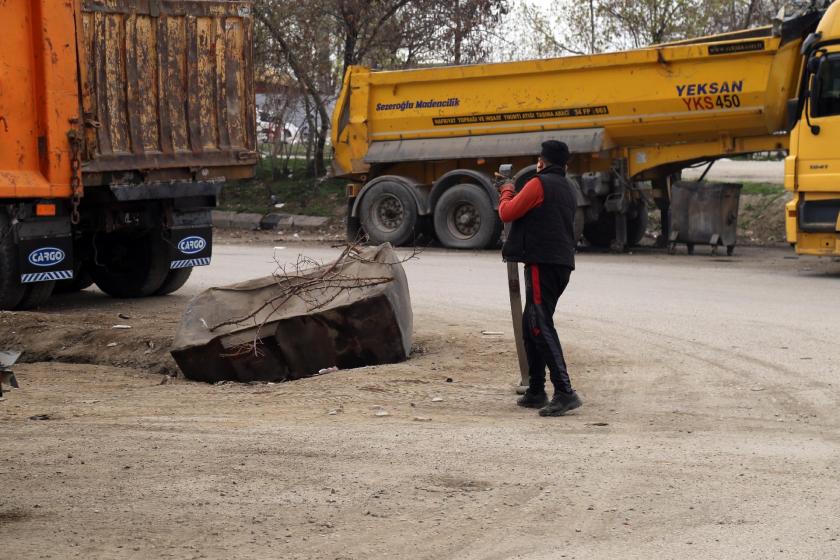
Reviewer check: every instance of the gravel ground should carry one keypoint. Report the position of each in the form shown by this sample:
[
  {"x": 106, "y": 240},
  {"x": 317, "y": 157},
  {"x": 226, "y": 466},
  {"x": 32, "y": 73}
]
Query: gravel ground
[{"x": 709, "y": 430}]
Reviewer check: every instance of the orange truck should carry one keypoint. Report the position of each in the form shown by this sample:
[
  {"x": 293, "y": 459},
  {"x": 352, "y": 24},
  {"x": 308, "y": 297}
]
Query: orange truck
[{"x": 120, "y": 121}]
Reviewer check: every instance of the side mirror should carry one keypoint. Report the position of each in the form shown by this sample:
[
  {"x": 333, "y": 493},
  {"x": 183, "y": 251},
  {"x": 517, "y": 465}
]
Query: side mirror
[
  {"x": 814, "y": 90},
  {"x": 814, "y": 64},
  {"x": 814, "y": 96},
  {"x": 809, "y": 42}
]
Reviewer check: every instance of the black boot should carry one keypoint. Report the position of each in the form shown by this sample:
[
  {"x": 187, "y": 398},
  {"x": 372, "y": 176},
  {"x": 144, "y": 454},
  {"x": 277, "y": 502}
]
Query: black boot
[
  {"x": 561, "y": 404},
  {"x": 532, "y": 400}
]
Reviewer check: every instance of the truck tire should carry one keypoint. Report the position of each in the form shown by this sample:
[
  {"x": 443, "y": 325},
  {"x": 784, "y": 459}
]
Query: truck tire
[
  {"x": 36, "y": 295},
  {"x": 130, "y": 265},
  {"x": 580, "y": 221},
  {"x": 637, "y": 225},
  {"x": 81, "y": 280},
  {"x": 389, "y": 214},
  {"x": 601, "y": 232},
  {"x": 465, "y": 218},
  {"x": 11, "y": 290},
  {"x": 175, "y": 280}
]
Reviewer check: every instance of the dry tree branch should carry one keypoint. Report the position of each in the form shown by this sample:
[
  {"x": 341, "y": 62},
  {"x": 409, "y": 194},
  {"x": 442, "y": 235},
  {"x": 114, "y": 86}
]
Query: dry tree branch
[{"x": 311, "y": 285}]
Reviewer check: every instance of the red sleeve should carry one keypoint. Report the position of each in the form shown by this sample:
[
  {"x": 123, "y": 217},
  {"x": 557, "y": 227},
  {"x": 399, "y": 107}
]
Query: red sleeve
[{"x": 513, "y": 206}]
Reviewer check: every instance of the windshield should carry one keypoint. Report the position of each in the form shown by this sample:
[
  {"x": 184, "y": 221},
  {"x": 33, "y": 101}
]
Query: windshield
[{"x": 826, "y": 102}]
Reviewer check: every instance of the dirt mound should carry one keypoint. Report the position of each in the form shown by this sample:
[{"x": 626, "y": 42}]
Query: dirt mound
[
  {"x": 761, "y": 219},
  {"x": 90, "y": 337}
]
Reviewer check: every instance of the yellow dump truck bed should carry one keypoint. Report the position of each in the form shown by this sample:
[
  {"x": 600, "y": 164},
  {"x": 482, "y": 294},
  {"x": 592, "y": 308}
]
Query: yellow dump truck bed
[{"x": 732, "y": 86}]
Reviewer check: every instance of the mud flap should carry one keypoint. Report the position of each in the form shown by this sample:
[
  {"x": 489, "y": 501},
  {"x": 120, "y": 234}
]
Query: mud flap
[
  {"x": 190, "y": 247},
  {"x": 45, "y": 250}
]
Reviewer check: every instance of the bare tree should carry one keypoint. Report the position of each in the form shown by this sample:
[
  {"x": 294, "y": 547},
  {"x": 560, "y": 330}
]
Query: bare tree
[
  {"x": 593, "y": 26},
  {"x": 315, "y": 41}
]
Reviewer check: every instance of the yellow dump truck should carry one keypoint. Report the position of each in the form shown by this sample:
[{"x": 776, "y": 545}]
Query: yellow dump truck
[
  {"x": 119, "y": 123},
  {"x": 421, "y": 145}
]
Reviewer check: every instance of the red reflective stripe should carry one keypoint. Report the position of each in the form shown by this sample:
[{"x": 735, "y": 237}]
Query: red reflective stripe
[{"x": 535, "y": 284}]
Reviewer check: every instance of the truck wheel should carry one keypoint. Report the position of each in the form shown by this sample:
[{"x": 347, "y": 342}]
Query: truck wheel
[
  {"x": 637, "y": 225},
  {"x": 130, "y": 265},
  {"x": 36, "y": 294},
  {"x": 11, "y": 290},
  {"x": 81, "y": 280},
  {"x": 175, "y": 280},
  {"x": 389, "y": 213},
  {"x": 580, "y": 221},
  {"x": 465, "y": 218},
  {"x": 601, "y": 232}
]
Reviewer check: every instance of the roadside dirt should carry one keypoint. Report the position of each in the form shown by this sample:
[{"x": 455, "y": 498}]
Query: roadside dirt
[
  {"x": 80, "y": 328},
  {"x": 762, "y": 219}
]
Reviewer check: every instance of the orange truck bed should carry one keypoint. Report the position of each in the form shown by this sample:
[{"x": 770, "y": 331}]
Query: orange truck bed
[
  {"x": 120, "y": 121},
  {"x": 38, "y": 98}
]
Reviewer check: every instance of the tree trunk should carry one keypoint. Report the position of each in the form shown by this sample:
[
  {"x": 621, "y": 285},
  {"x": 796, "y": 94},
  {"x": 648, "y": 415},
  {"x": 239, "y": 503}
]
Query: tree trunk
[
  {"x": 319, "y": 167},
  {"x": 457, "y": 34},
  {"x": 750, "y": 14}
]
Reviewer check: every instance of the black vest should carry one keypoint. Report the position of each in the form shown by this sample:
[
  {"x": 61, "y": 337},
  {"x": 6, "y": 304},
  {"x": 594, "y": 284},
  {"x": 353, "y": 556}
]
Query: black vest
[{"x": 546, "y": 234}]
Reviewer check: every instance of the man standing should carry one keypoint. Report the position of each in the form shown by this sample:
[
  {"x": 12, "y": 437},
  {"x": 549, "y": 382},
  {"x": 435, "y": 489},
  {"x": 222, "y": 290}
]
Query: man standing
[{"x": 542, "y": 236}]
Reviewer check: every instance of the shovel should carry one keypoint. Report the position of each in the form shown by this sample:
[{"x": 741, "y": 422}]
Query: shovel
[{"x": 515, "y": 302}]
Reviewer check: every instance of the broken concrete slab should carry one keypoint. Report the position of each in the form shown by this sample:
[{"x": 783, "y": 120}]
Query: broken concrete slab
[
  {"x": 350, "y": 313},
  {"x": 8, "y": 358}
]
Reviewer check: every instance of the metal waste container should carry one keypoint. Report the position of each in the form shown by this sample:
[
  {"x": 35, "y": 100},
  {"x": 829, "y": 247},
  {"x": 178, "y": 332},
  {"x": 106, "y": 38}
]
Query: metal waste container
[{"x": 704, "y": 214}]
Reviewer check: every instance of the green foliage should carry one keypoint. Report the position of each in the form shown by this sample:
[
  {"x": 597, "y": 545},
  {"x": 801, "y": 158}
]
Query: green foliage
[
  {"x": 298, "y": 194},
  {"x": 764, "y": 189}
]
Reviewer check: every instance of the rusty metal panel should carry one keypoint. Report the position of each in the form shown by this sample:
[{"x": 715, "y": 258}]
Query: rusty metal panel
[
  {"x": 585, "y": 140},
  {"x": 167, "y": 84}
]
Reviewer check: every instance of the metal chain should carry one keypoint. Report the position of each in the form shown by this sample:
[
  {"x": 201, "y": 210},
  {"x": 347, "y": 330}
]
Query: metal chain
[{"x": 75, "y": 139}]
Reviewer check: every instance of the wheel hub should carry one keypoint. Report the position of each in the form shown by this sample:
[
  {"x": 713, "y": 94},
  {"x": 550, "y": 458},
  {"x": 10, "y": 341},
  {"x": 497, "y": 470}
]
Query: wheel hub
[
  {"x": 465, "y": 221},
  {"x": 389, "y": 213}
]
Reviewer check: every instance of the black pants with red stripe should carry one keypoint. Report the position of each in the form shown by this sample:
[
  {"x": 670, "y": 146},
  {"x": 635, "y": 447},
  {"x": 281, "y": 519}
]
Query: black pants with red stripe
[{"x": 544, "y": 284}]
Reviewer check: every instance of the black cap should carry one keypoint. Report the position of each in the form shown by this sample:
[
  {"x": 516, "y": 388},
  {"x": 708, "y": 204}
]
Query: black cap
[{"x": 556, "y": 152}]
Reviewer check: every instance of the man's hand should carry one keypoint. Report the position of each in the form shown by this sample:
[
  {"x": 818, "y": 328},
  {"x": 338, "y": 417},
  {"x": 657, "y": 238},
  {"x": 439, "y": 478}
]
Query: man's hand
[{"x": 502, "y": 183}]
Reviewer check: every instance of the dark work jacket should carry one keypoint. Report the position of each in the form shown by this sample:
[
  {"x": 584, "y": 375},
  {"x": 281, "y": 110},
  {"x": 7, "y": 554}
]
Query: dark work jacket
[{"x": 546, "y": 234}]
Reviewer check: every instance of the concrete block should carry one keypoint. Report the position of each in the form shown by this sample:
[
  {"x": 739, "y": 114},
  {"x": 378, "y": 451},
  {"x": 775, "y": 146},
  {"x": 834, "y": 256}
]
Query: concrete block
[
  {"x": 221, "y": 218},
  {"x": 245, "y": 220},
  {"x": 353, "y": 313},
  {"x": 276, "y": 220},
  {"x": 309, "y": 221}
]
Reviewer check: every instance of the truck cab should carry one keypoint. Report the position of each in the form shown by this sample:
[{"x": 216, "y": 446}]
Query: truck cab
[{"x": 812, "y": 170}]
